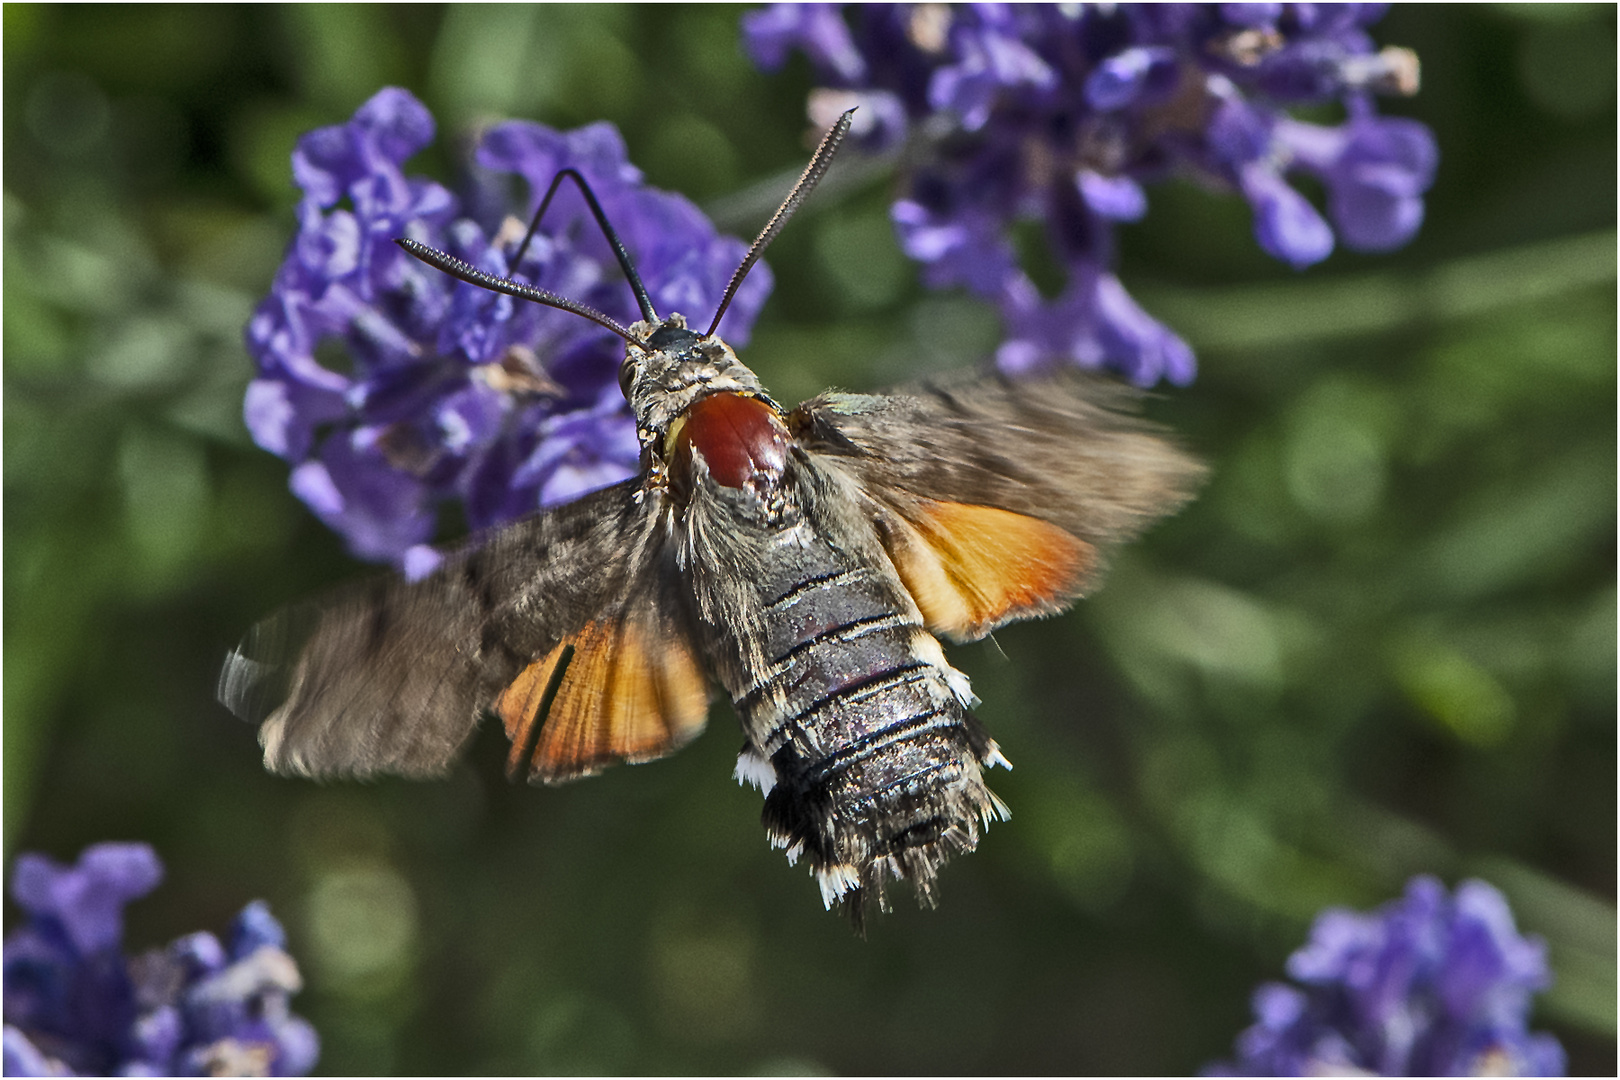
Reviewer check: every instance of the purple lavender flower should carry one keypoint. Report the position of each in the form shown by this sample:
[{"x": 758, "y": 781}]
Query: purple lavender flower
[
  {"x": 1430, "y": 985},
  {"x": 1062, "y": 112},
  {"x": 393, "y": 387},
  {"x": 74, "y": 1005}
]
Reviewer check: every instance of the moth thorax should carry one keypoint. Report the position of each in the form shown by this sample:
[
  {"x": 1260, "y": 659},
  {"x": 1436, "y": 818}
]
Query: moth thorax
[{"x": 740, "y": 438}]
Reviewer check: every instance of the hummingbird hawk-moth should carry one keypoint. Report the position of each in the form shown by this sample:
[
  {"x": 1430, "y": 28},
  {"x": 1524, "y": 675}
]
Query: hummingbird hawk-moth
[{"x": 805, "y": 560}]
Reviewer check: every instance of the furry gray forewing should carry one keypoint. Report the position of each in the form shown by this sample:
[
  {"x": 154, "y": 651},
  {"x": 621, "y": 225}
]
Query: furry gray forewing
[
  {"x": 1060, "y": 448},
  {"x": 389, "y": 676}
]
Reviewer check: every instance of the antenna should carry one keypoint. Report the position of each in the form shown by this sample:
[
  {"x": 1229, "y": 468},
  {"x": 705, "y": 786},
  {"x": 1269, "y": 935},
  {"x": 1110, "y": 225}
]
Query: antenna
[
  {"x": 613, "y": 240},
  {"x": 464, "y": 271},
  {"x": 456, "y": 268},
  {"x": 801, "y": 191}
]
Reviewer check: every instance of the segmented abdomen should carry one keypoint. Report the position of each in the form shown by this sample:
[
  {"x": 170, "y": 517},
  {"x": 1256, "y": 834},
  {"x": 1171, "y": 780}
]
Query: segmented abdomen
[{"x": 874, "y": 759}]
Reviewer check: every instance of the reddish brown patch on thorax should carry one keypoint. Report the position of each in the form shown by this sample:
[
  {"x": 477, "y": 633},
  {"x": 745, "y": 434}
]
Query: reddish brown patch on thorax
[{"x": 742, "y": 441}]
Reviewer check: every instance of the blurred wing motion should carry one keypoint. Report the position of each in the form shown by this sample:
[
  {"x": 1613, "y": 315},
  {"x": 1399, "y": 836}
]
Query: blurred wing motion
[
  {"x": 562, "y": 623},
  {"x": 994, "y": 498}
]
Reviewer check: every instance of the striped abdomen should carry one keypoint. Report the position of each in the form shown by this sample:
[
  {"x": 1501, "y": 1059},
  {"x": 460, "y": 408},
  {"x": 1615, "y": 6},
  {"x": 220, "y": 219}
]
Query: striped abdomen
[{"x": 874, "y": 758}]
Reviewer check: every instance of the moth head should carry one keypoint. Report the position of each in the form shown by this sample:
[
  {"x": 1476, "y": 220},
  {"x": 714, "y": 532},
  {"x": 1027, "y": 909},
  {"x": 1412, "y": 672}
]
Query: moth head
[{"x": 667, "y": 367}]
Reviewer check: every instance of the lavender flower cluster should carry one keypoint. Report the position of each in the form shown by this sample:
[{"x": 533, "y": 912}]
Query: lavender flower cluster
[
  {"x": 1432, "y": 984},
  {"x": 1061, "y": 112},
  {"x": 393, "y": 387},
  {"x": 75, "y": 1005}
]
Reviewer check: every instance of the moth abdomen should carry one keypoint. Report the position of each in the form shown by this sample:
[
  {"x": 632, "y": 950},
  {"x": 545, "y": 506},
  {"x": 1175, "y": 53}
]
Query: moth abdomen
[
  {"x": 867, "y": 746},
  {"x": 896, "y": 806},
  {"x": 858, "y": 729}
]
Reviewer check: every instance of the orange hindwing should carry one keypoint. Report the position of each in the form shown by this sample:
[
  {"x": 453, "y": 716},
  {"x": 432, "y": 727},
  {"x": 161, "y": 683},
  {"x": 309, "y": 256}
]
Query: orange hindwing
[
  {"x": 610, "y": 692},
  {"x": 972, "y": 568}
]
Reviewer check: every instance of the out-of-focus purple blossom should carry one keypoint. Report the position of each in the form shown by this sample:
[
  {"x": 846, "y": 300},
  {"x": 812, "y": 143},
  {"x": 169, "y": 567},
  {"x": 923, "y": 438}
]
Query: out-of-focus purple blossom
[
  {"x": 1376, "y": 170},
  {"x": 75, "y": 1005},
  {"x": 1062, "y": 113},
  {"x": 1433, "y": 984},
  {"x": 393, "y": 388}
]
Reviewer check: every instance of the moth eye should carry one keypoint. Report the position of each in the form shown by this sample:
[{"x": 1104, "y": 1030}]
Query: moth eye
[{"x": 627, "y": 371}]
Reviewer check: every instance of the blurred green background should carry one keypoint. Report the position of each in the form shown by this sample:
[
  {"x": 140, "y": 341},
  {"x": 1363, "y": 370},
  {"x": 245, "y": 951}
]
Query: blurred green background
[{"x": 1382, "y": 642}]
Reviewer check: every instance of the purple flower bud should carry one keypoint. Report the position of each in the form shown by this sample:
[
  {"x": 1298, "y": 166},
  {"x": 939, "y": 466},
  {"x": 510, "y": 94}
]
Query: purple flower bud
[
  {"x": 967, "y": 250},
  {"x": 1287, "y": 226},
  {"x": 1376, "y": 191},
  {"x": 1117, "y": 198},
  {"x": 992, "y": 65},
  {"x": 1095, "y": 323},
  {"x": 23, "y": 1058},
  {"x": 1239, "y": 134},
  {"x": 357, "y": 492},
  {"x": 770, "y": 33},
  {"x": 157, "y": 1036},
  {"x": 357, "y": 158},
  {"x": 196, "y": 955},
  {"x": 1133, "y": 77},
  {"x": 1252, "y": 15},
  {"x": 1309, "y": 71},
  {"x": 74, "y": 1004},
  {"x": 253, "y": 928},
  {"x": 87, "y": 899},
  {"x": 1434, "y": 984},
  {"x": 537, "y": 153}
]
